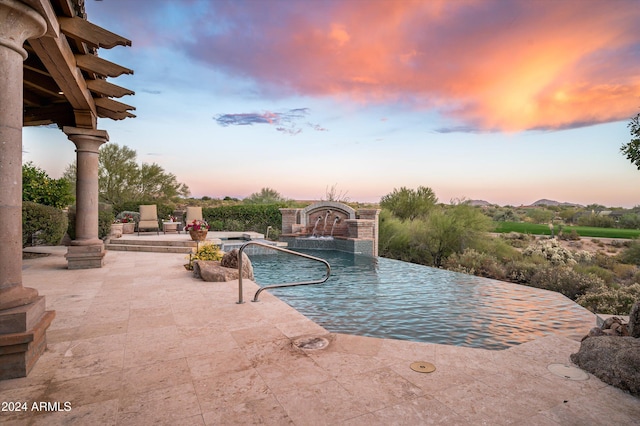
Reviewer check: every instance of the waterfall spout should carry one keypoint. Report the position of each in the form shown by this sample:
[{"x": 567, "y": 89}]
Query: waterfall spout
[
  {"x": 313, "y": 233},
  {"x": 326, "y": 216},
  {"x": 336, "y": 220}
]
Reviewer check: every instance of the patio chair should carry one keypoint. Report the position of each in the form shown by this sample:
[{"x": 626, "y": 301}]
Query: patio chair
[
  {"x": 149, "y": 218},
  {"x": 193, "y": 213}
]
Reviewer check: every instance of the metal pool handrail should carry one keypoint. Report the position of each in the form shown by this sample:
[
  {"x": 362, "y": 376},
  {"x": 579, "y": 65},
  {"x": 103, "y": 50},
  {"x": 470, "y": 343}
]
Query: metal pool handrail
[{"x": 257, "y": 243}]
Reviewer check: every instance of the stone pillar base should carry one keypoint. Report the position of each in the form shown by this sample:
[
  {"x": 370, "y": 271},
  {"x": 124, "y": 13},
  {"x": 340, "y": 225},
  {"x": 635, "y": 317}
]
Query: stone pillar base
[
  {"x": 23, "y": 338},
  {"x": 85, "y": 257}
]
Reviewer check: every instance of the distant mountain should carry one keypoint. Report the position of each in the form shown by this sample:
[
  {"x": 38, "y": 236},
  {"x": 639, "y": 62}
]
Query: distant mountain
[
  {"x": 479, "y": 203},
  {"x": 545, "y": 202}
]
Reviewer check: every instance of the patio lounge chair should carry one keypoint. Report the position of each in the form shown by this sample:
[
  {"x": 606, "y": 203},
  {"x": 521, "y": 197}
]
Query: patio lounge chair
[
  {"x": 149, "y": 218},
  {"x": 193, "y": 213}
]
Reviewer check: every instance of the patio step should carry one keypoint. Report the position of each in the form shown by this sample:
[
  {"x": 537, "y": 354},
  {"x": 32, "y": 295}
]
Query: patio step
[
  {"x": 148, "y": 248},
  {"x": 154, "y": 246}
]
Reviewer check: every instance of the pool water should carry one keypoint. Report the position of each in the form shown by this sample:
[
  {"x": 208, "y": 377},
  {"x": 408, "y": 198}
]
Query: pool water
[{"x": 387, "y": 298}]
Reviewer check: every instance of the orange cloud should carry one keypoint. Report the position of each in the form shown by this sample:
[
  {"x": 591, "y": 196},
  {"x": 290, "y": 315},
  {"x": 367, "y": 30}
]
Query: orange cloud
[
  {"x": 489, "y": 65},
  {"x": 485, "y": 64}
]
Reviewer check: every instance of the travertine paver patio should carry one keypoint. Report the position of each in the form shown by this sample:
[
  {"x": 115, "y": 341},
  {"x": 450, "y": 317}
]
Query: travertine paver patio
[{"x": 141, "y": 341}]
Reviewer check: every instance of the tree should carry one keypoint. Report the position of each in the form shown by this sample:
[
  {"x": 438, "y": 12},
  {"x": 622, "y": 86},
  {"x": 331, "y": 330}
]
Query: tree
[
  {"x": 156, "y": 184},
  {"x": 409, "y": 204},
  {"x": 121, "y": 180},
  {"x": 449, "y": 230},
  {"x": 118, "y": 174},
  {"x": 632, "y": 149},
  {"x": 265, "y": 196},
  {"x": 39, "y": 188}
]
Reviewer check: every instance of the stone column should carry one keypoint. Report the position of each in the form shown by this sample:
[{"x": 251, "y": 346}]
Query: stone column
[
  {"x": 17, "y": 23},
  {"x": 87, "y": 249},
  {"x": 289, "y": 218},
  {"x": 23, "y": 320},
  {"x": 372, "y": 214}
]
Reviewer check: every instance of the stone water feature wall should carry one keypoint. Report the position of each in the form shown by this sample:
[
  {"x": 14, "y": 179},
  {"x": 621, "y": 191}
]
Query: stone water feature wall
[{"x": 331, "y": 225}]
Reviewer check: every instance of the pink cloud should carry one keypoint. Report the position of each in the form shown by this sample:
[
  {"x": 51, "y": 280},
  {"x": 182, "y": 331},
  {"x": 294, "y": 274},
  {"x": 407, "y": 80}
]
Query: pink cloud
[{"x": 489, "y": 65}]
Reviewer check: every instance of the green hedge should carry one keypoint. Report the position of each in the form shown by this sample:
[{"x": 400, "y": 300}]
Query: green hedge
[
  {"x": 42, "y": 225},
  {"x": 105, "y": 219},
  {"x": 250, "y": 217}
]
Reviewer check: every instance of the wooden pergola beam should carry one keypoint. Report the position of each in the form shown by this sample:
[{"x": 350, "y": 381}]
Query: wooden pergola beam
[
  {"x": 95, "y": 64},
  {"x": 41, "y": 82},
  {"x": 104, "y": 88},
  {"x": 42, "y": 116},
  {"x": 114, "y": 115},
  {"x": 57, "y": 57},
  {"x": 112, "y": 105},
  {"x": 91, "y": 34}
]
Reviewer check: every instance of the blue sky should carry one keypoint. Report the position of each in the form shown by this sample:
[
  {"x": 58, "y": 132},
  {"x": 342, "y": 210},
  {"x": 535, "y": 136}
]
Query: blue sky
[{"x": 507, "y": 102}]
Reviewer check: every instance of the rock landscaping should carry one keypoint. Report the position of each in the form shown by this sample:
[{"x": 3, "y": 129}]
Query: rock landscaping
[{"x": 611, "y": 352}]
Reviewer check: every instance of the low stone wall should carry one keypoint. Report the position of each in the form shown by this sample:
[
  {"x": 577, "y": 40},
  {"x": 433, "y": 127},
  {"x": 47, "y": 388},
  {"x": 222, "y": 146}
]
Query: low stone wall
[{"x": 365, "y": 247}]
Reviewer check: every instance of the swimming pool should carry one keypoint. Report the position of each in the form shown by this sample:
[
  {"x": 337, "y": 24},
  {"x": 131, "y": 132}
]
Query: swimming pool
[{"x": 387, "y": 298}]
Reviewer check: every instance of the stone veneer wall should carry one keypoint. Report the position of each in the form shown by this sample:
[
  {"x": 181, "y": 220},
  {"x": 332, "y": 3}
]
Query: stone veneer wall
[
  {"x": 348, "y": 245},
  {"x": 355, "y": 232}
]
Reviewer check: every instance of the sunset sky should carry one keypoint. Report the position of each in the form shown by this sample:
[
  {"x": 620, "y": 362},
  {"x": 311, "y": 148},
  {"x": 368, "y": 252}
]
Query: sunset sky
[{"x": 504, "y": 101}]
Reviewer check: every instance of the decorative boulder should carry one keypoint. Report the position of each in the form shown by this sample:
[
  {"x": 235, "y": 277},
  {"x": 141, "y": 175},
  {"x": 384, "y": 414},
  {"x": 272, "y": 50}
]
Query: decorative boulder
[
  {"x": 230, "y": 260},
  {"x": 614, "y": 360},
  {"x": 225, "y": 270},
  {"x": 210, "y": 270}
]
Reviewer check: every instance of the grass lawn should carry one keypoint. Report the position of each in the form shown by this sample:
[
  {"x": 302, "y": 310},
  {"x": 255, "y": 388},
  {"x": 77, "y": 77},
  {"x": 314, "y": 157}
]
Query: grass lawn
[{"x": 583, "y": 231}]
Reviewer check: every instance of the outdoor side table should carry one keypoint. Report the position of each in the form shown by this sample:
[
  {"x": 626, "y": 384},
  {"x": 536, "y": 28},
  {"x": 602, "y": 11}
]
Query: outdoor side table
[{"x": 170, "y": 227}]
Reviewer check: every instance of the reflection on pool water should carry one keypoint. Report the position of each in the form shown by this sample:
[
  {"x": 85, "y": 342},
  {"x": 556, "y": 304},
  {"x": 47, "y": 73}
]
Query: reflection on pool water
[{"x": 387, "y": 298}]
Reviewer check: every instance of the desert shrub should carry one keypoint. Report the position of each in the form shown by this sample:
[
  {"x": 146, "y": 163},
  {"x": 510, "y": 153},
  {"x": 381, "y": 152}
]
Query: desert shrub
[
  {"x": 393, "y": 237},
  {"x": 583, "y": 256},
  {"x": 631, "y": 254},
  {"x": 629, "y": 221},
  {"x": 596, "y": 220},
  {"x": 497, "y": 247},
  {"x": 604, "y": 261},
  {"x": 606, "y": 275},
  {"x": 42, "y": 225},
  {"x": 506, "y": 215},
  {"x": 571, "y": 236},
  {"x": 550, "y": 250},
  {"x": 516, "y": 236},
  {"x": 626, "y": 272},
  {"x": 520, "y": 272},
  {"x": 564, "y": 280},
  {"x": 475, "y": 263},
  {"x": 517, "y": 239},
  {"x": 448, "y": 230},
  {"x": 613, "y": 301}
]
